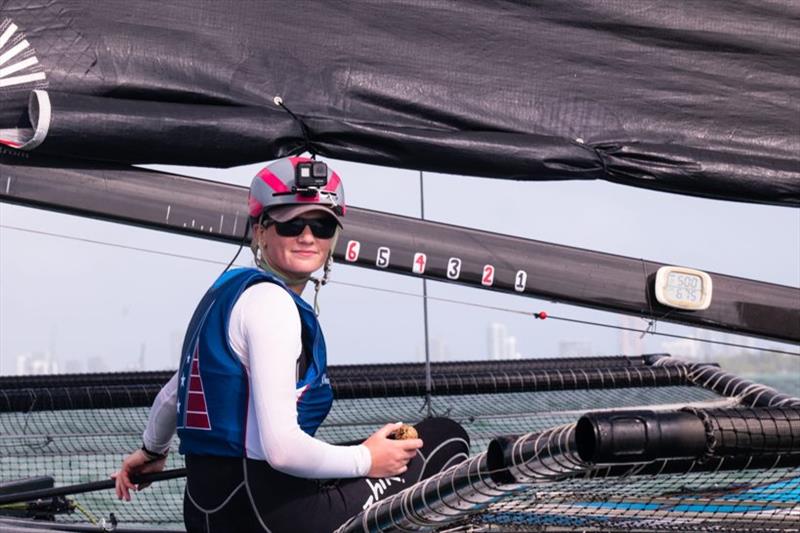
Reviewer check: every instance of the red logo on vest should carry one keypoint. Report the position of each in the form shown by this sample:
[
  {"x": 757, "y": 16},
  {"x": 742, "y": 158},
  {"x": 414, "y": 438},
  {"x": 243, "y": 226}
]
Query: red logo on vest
[{"x": 196, "y": 411}]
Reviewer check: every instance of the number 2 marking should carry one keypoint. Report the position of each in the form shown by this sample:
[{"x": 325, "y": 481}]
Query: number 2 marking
[
  {"x": 353, "y": 247},
  {"x": 382, "y": 259},
  {"x": 520, "y": 281},
  {"x": 488, "y": 276},
  {"x": 419, "y": 263},
  {"x": 453, "y": 268}
]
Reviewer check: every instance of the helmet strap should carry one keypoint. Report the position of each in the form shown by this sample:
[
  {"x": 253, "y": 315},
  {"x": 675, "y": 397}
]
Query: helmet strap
[{"x": 326, "y": 272}]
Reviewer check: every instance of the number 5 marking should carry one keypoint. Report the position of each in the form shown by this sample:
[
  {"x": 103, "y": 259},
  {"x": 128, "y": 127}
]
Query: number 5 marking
[
  {"x": 488, "y": 276},
  {"x": 353, "y": 247},
  {"x": 453, "y": 268},
  {"x": 382, "y": 259},
  {"x": 419, "y": 263},
  {"x": 520, "y": 281}
]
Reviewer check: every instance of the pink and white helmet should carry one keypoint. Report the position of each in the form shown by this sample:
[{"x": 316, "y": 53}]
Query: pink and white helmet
[{"x": 275, "y": 186}]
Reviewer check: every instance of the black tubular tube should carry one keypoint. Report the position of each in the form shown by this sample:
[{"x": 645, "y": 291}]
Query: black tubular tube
[
  {"x": 516, "y": 381},
  {"x": 754, "y": 431},
  {"x": 98, "y": 379},
  {"x": 706, "y": 464},
  {"x": 26, "y": 484},
  {"x": 477, "y": 367},
  {"x": 62, "y": 398},
  {"x": 710, "y": 377},
  {"x": 212, "y": 210},
  {"x": 610, "y": 437},
  {"x": 442, "y": 499},
  {"x": 547, "y": 455},
  {"x": 88, "y": 487},
  {"x": 550, "y": 455},
  {"x": 142, "y": 395},
  {"x": 638, "y": 436},
  {"x": 338, "y": 371}
]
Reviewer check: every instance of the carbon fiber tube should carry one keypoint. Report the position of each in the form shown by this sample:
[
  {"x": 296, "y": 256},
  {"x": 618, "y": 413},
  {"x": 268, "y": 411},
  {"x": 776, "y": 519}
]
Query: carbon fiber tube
[
  {"x": 473, "y": 367},
  {"x": 444, "y": 498},
  {"x": 62, "y": 398},
  {"x": 337, "y": 372},
  {"x": 98, "y": 379},
  {"x": 611, "y": 437},
  {"x": 757, "y": 431},
  {"x": 141, "y": 392},
  {"x": 514, "y": 381},
  {"x": 393, "y": 243},
  {"x": 710, "y": 377},
  {"x": 638, "y": 436},
  {"x": 546, "y": 456}
]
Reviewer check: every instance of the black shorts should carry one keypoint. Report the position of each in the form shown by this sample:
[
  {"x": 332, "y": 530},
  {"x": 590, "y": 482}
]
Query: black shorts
[{"x": 228, "y": 494}]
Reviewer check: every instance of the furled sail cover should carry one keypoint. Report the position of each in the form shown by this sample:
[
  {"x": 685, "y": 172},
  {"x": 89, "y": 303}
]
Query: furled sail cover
[{"x": 697, "y": 98}]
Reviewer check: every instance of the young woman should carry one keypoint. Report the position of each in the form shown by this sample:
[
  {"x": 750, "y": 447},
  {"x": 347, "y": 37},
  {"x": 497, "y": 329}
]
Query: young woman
[{"x": 252, "y": 387}]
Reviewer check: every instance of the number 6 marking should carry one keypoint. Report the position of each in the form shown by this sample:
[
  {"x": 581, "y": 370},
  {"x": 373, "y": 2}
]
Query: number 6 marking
[
  {"x": 520, "y": 281},
  {"x": 419, "y": 263},
  {"x": 353, "y": 247},
  {"x": 453, "y": 268},
  {"x": 382, "y": 259},
  {"x": 488, "y": 276}
]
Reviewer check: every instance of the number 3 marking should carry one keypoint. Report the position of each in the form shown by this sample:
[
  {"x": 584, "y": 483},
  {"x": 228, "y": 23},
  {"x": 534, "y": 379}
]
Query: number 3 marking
[
  {"x": 353, "y": 247},
  {"x": 419, "y": 263},
  {"x": 520, "y": 281},
  {"x": 453, "y": 268},
  {"x": 382, "y": 259},
  {"x": 488, "y": 276}
]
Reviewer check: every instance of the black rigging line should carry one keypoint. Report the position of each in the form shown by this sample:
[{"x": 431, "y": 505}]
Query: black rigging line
[{"x": 643, "y": 332}]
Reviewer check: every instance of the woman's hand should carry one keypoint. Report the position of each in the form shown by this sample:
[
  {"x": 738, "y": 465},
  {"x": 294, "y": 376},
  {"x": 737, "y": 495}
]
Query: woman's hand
[
  {"x": 390, "y": 457},
  {"x": 135, "y": 464}
]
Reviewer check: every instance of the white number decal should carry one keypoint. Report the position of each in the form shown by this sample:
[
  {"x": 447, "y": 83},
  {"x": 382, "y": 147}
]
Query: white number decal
[
  {"x": 419, "y": 263},
  {"x": 453, "y": 268},
  {"x": 488, "y": 276},
  {"x": 353, "y": 247},
  {"x": 520, "y": 280},
  {"x": 382, "y": 259}
]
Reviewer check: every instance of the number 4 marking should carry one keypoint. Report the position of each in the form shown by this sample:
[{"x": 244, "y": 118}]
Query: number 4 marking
[
  {"x": 419, "y": 263},
  {"x": 382, "y": 259},
  {"x": 351, "y": 254},
  {"x": 520, "y": 280},
  {"x": 488, "y": 276}
]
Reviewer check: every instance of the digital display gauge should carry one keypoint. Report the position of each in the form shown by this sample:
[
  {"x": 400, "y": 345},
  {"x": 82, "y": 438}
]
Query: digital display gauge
[{"x": 683, "y": 288}]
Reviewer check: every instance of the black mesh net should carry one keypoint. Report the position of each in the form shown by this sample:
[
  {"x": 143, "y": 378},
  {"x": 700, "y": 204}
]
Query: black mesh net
[{"x": 83, "y": 445}]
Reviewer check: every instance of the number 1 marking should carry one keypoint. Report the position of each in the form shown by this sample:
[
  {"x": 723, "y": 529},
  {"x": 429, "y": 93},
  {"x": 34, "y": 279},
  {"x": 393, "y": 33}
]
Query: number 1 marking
[
  {"x": 353, "y": 247},
  {"x": 520, "y": 281},
  {"x": 419, "y": 263}
]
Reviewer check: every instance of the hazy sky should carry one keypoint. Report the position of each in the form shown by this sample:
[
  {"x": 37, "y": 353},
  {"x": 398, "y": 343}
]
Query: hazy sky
[{"x": 89, "y": 302}]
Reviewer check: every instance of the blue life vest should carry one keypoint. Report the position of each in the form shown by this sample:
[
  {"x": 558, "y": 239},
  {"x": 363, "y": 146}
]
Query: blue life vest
[{"x": 214, "y": 388}]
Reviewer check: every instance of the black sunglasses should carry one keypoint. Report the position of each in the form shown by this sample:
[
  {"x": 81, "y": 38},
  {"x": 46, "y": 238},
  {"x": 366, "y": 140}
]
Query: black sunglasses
[{"x": 321, "y": 228}]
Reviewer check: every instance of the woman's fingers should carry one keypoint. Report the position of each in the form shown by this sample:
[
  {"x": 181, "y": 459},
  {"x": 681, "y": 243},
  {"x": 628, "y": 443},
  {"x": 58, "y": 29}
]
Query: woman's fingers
[{"x": 386, "y": 430}]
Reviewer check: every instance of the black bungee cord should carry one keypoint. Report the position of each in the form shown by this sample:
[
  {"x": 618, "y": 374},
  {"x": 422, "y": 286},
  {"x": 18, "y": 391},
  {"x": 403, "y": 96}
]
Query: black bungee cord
[{"x": 278, "y": 101}]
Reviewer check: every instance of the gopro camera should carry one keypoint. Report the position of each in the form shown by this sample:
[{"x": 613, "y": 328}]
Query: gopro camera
[{"x": 311, "y": 174}]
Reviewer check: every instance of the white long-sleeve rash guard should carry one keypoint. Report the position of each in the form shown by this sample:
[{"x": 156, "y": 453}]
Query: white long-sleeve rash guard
[{"x": 265, "y": 333}]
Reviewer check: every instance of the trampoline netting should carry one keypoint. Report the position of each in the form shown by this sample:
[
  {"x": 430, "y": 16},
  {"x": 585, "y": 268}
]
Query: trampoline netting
[{"x": 736, "y": 466}]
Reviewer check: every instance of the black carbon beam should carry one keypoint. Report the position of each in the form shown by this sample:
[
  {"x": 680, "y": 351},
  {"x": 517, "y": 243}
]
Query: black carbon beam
[{"x": 403, "y": 245}]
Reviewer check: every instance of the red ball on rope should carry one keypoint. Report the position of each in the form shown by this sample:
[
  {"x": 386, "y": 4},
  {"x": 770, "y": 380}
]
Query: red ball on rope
[{"x": 541, "y": 315}]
